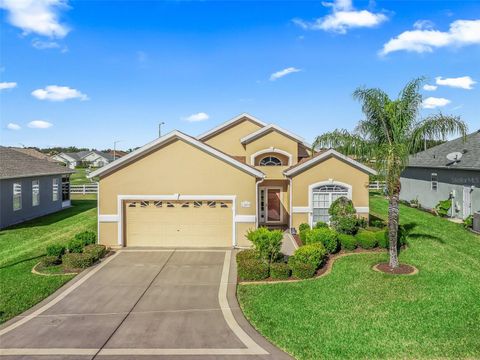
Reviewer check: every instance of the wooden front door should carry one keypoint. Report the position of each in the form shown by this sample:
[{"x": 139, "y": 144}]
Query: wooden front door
[{"x": 274, "y": 205}]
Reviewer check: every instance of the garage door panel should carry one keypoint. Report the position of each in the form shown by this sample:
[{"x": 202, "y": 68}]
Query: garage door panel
[{"x": 177, "y": 224}]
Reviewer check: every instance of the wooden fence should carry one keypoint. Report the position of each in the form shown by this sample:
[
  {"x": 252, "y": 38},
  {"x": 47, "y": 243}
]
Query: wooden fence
[{"x": 84, "y": 189}]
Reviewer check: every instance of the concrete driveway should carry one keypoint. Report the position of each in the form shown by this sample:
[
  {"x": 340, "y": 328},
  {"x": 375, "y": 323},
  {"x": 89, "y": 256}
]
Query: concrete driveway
[{"x": 142, "y": 303}]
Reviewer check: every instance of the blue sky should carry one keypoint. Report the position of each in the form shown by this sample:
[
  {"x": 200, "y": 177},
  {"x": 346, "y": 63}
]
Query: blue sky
[{"x": 87, "y": 73}]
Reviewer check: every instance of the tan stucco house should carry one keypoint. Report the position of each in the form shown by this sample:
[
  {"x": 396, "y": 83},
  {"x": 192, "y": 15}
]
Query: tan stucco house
[{"x": 180, "y": 190}]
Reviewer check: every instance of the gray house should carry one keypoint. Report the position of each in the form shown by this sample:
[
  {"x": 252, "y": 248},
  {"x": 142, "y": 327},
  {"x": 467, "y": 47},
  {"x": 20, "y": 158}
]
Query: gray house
[
  {"x": 92, "y": 158},
  {"x": 447, "y": 171},
  {"x": 30, "y": 187}
]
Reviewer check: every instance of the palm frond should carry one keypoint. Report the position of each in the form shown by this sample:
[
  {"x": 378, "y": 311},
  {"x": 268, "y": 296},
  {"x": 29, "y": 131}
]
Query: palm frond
[{"x": 342, "y": 141}]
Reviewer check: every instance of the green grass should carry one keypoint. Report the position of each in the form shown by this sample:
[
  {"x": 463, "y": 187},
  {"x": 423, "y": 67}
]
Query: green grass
[
  {"x": 79, "y": 177},
  {"x": 357, "y": 313},
  {"x": 22, "y": 246}
]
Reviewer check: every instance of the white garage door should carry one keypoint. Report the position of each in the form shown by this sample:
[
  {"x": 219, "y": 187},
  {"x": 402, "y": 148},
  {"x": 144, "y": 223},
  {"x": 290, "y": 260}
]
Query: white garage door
[{"x": 179, "y": 223}]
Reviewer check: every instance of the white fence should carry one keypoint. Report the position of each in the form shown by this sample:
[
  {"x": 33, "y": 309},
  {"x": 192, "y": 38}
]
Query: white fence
[
  {"x": 84, "y": 189},
  {"x": 376, "y": 185}
]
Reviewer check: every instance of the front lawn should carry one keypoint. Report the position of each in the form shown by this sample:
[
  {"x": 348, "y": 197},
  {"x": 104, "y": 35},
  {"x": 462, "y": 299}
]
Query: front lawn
[
  {"x": 80, "y": 177},
  {"x": 22, "y": 246},
  {"x": 355, "y": 312}
]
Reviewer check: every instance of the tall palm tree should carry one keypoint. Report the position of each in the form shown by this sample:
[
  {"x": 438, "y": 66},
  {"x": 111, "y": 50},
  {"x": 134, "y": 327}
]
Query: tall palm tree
[{"x": 391, "y": 131}]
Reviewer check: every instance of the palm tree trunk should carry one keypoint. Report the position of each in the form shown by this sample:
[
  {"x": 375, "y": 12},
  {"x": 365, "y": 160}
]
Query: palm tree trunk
[{"x": 393, "y": 217}]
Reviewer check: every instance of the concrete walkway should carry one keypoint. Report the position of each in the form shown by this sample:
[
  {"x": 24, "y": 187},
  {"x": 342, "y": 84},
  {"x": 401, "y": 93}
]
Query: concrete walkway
[{"x": 145, "y": 304}]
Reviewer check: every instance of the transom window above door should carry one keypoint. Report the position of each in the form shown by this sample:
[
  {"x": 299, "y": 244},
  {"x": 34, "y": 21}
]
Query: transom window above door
[
  {"x": 270, "y": 161},
  {"x": 322, "y": 197}
]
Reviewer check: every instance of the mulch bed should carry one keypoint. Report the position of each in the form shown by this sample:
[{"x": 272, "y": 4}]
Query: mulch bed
[{"x": 402, "y": 269}]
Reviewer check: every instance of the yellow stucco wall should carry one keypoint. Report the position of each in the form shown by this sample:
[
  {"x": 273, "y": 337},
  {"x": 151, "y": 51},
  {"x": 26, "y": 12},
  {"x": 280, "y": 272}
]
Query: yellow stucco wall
[
  {"x": 108, "y": 234},
  {"x": 276, "y": 140},
  {"x": 228, "y": 140}
]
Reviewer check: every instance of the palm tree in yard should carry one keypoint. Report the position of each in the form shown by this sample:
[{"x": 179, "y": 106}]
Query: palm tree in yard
[{"x": 391, "y": 131}]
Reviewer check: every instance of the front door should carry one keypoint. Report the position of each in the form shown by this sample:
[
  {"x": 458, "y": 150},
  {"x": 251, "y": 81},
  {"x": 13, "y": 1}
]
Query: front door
[{"x": 273, "y": 205}]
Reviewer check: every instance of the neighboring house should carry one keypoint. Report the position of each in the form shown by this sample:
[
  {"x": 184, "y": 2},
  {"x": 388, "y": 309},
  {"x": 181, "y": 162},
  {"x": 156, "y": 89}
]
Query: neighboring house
[
  {"x": 35, "y": 153},
  {"x": 30, "y": 187},
  {"x": 447, "y": 171},
  {"x": 91, "y": 158},
  {"x": 209, "y": 191}
]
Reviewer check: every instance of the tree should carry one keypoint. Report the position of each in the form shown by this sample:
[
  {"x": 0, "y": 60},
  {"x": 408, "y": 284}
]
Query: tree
[{"x": 391, "y": 131}]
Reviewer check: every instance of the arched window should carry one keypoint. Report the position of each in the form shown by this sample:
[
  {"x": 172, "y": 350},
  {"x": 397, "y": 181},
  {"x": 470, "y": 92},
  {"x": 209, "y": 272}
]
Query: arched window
[
  {"x": 270, "y": 161},
  {"x": 322, "y": 197}
]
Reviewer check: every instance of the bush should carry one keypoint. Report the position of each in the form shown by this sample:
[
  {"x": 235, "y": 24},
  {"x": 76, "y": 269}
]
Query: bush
[
  {"x": 303, "y": 227},
  {"x": 366, "y": 239},
  {"x": 301, "y": 270},
  {"x": 468, "y": 222},
  {"x": 378, "y": 223},
  {"x": 279, "y": 271},
  {"x": 77, "y": 260},
  {"x": 326, "y": 236},
  {"x": 252, "y": 269},
  {"x": 443, "y": 207},
  {"x": 312, "y": 254},
  {"x": 75, "y": 246},
  {"x": 343, "y": 216},
  {"x": 320, "y": 224},
  {"x": 303, "y": 235},
  {"x": 362, "y": 222},
  {"x": 347, "y": 242},
  {"x": 87, "y": 237},
  {"x": 56, "y": 250},
  {"x": 96, "y": 251},
  {"x": 246, "y": 255},
  {"x": 50, "y": 260},
  {"x": 267, "y": 243},
  {"x": 382, "y": 238}
]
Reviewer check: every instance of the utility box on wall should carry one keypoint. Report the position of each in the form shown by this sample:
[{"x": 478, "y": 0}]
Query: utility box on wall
[{"x": 476, "y": 222}]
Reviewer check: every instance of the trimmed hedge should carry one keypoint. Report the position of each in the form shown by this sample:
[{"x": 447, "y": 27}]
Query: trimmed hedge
[
  {"x": 303, "y": 227},
  {"x": 77, "y": 260},
  {"x": 56, "y": 250},
  {"x": 366, "y": 239},
  {"x": 75, "y": 246},
  {"x": 347, "y": 242},
  {"x": 320, "y": 225},
  {"x": 87, "y": 237},
  {"x": 307, "y": 259},
  {"x": 343, "y": 216},
  {"x": 246, "y": 255},
  {"x": 279, "y": 271},
  {"x": 96, "y": 251},
  {"x": 326, "y": 236},
  {"x": 252, "y": 269},
  {"x": 50, "y": 260},
  {"x": 382, "y": 239},
  {"x": 302, "y": 270}
]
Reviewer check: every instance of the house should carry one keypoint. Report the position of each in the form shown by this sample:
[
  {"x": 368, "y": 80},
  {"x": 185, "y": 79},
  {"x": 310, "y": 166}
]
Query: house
[
  {"x": 91, "y": 158},
  {"x": 30, "y": 187},
  {"x": 35, "y": 153},
  {"x": 209, "y": 190},
  {"x": 447, "y": 171}
]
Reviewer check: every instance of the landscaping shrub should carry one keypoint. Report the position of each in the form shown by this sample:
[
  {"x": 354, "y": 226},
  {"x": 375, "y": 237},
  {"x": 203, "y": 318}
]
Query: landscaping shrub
[
  {"x": 366, "y": 239},
  {"x": 252, "y": 269},
  {"x": 303, "y": 227},
  {"x": 320, "y": 224},
  {"x": 246, "y": 255},
  {"x": 279, "y": 271},
  {"x": 306, "y": 260},
  {"x": 343, "y": 216},
  {"x": 266, "y": 242},
  {"x": 326, "y": 236},
  {"x": 468, "y": 222},
  {"x": 382, "y": 238},
  {"x": 75, "y": 246},
  {"x": 96, "y": 251},
  {"x": 56, "y": 250},
  {"x": 87, "y": 237},
  {"x": 347, "y": 242},
  {"x": 443, "y": 207},
  {"x": 362, "y": 222},
  {"x": 50, "y": 260},
  {"x": 77, "y": 260},
  {"x": 303, "y": 235},
  {"x": 301, "y": 270}
]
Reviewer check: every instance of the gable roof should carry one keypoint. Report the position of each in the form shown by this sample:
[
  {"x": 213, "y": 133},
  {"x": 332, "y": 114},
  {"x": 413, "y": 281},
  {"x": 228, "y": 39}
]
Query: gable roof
[
  {"x": 35, "y": 153},
  {"x": 228, "y": 123},
  {"x": 268, "y": 128},
  {"x": 16, "y": 164},
  {"x": 436, "y": 157},
  {"x": 170, "y": 136},
  {"x": 321, "y": 156}
]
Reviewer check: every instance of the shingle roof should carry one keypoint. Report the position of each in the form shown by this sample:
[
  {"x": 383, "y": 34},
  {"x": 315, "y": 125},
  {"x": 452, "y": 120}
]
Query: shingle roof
[
  {"x": 35, "y": 153},
  {"x": 15, "y": 164},
  {"x": 436, "y": 157}
]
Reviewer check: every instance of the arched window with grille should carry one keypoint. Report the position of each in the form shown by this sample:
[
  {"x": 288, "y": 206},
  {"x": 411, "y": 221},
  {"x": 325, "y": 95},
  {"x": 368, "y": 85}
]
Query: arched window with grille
[
  {"x": 322, "y": 197},
  {"x": 270, "y": 161}
]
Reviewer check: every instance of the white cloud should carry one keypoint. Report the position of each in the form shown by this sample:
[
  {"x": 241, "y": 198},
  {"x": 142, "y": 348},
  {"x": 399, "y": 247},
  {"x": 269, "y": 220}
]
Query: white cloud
[
  {"x": 434, "y": 102},
  {"x": 284, "y": 72},
  {"x": 7, "y": 85},
  {"x": 42, "y": 45},
  {"x": 461, "y": 33},
  {"x": 36, "y": 16},
  {"x": 423, "y": 25},
  {"x": 58, "y": 93},
  {"x": 201, "y": 116},
  {"x": 343, "y": 18},
  {"x": 39, "y": 124},
  {"x": 428, "y": 87},
  {"x": 464, "y": 82},
  {"x": 13, "y": 126}
]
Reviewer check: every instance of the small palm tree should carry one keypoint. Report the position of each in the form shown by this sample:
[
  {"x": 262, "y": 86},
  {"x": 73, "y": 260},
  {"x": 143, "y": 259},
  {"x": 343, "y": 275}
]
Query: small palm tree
[{"x": 391, "y": 132}]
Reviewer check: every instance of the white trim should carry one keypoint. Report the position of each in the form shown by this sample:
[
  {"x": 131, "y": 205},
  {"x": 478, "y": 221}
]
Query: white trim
[
  {"x": 266, "y": 203},
  {"x": 230, "y": 122},
  {"x": 245, "y": 219},
  {"x": 362, "y": 209},
  {"x": 98, "y": 212},
  {"x": 108, "y": 218},
  {"x": 270, "y": 150},
  {"x": 320, "y": 183},
  {"x": 290, "y": 204},
  {"x": 269, "y": 127},
  {"x": 173, "y": 197},
  {"x": 66, "y": 203},
  {"x": 324, "y": 155},
  {"x": 178, "y": 135},
  {"x": 301, "y": 209}
]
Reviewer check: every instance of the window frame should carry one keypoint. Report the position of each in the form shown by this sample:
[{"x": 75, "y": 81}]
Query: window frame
[
  {"x": 270, "y": 157},
  {"x": 18, "y": 195},
  {"x": 337, "y": 188},
  {"x": 35, "y": 192},
  {"x": 434, "y": 183},
  {"x": 55, "y": 189}
]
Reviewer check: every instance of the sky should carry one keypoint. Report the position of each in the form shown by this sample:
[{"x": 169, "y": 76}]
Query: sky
[{"x": 87, "y": 73}]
